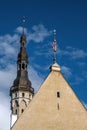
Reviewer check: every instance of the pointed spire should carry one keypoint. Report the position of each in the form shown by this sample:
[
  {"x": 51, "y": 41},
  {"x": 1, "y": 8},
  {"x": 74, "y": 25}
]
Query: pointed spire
[
  {"x": 54, "y": 47},
  {"x": 23, "y": 38},
  {"x": 55, "y": 66},
  {"x": 23, "y": 22}
]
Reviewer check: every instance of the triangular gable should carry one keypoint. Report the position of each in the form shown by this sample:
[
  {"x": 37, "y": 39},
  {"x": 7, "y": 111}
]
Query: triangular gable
[{"x": 54, "y": 107}]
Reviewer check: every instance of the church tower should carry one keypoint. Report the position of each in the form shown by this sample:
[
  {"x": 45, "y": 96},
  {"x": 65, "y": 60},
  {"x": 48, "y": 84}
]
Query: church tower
[{"x": 21, "y": 91}]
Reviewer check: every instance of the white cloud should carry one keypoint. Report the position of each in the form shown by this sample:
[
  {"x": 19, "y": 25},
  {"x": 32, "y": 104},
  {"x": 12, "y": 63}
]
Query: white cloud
[
  {"x": 7, "y": 75},
  {"x": 35, "y": 78},
  {"x": 37, "y": 34},
  {"x": 74, "y": 53},
  {"x": 77, "y": 80},
  {"x": 4, "y": 112},
  {"x": 66, "y": 71},
  {"x": 81, "y": 64},
  {"x": 8, "y": 48},
  {"x": 77, "y": 53},
  {"x": 19, "y": 30}
]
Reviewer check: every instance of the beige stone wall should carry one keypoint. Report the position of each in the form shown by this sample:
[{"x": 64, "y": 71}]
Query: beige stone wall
[{"x": 48, "y": 112}]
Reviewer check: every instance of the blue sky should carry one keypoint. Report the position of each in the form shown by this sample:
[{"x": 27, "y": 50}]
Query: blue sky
[{"x": 69, "y": 18}]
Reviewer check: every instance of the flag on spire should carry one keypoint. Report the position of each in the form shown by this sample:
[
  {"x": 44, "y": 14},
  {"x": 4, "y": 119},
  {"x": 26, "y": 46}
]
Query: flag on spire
[
  {"x": 54, "y": 46},
  {"x": 54, "y": 42}
]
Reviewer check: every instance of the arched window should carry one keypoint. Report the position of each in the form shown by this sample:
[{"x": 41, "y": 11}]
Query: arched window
[
  {"x": 20, "y": 66},
  {"x": 23, "y": 66}
]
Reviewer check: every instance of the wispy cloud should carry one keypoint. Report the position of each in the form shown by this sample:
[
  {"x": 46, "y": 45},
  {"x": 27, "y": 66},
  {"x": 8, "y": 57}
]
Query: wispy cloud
[
  {"x": 66, "y": 71},
  {"x": 77, "y": 80},
  {"x": 19, "y": 30},
  {"x": 8, "y": 43},
  {"x": 74, "y": 53},
  {"x": 6, "y": 76},
  {"x": 35, "y": 77},
  {"x": 39, "y": 33},
  {"x": 4, "y": 112}
]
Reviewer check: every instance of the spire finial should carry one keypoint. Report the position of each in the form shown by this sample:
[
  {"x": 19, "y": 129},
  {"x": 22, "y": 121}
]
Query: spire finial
[
  {"x": 54, "y": 31},
  {"x": 23, "y": 22},
  {"x": 23, "y": 37},
  {"x": 54, "y": 46}
]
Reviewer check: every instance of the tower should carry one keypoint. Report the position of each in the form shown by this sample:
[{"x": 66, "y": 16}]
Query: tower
[{"x": 21, "y": 91}]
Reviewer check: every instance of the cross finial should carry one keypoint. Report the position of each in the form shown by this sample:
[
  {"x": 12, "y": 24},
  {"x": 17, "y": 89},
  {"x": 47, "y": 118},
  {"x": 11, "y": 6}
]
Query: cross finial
[
  {"x": 23, "y": 22},
  {"x": 54, "y": 31},
  {"x": 54, "y": 46}
]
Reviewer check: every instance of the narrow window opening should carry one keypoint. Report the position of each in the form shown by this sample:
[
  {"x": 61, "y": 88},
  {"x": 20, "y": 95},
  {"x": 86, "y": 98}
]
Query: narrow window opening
[
  {"x": 23, "y": 94},
  {"x": 23, "y": 66},
  {"x": 16, "y": 102},
  {"x": 16, "y": 111},
  {"x": 20, "y": 66},
  {"x": 15, "y": 94},
  {"x": 22, "y": 110},
  {"x": 58, "y": 94}
]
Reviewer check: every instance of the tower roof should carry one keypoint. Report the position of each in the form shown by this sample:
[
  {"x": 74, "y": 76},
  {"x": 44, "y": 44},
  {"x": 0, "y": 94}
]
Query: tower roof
[
  {"x": 22, "y": 81},
  {"x": 55, "y": 66},
  {"x": 23, "y": 54}
]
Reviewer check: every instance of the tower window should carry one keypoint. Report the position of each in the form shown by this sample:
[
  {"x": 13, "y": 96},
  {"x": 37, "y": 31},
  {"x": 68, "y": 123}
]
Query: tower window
[
  {"x": 58, "y": 94},
  {"x": 19, "y": 66},
  {"x": 16, "y": 111},
  {"x": 23, "y": 94},
  {"x": 23, "y": 66},
  {"x": 26, "y": 66},
  {"x": 15, "y": 94},
  {"x": 22, "y": 110},
  {"x": 16, "y": 102}
]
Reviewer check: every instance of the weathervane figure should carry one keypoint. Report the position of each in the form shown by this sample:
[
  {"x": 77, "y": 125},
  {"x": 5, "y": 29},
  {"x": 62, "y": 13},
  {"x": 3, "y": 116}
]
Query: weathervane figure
[
  {"x": 54, "y": 46},
  {"x": 23, "y": 22}
]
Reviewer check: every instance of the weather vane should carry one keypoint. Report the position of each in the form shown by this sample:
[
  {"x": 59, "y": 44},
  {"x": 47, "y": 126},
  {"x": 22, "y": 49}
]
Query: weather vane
[
  {"x": 54, "y": 46},
  {"x": 23, "y": 22},
  {"x": 54, "y": 31},
  {"x": 23, "y": 19}
]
